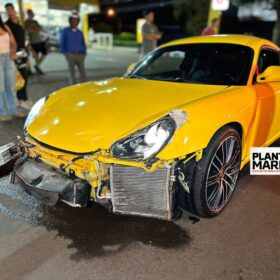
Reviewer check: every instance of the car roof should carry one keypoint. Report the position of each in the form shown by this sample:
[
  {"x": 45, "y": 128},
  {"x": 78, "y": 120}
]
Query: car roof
[{"x": 251, "y": 41}]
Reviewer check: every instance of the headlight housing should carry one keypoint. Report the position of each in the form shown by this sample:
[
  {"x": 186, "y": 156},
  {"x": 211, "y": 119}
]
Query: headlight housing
[
  {"x": 35, "y": 111},
  {"x": 147, "y": 142}
]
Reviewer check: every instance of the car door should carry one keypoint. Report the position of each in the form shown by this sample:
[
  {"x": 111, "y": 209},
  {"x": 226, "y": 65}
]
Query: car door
[{"x": 268, "y": 98}]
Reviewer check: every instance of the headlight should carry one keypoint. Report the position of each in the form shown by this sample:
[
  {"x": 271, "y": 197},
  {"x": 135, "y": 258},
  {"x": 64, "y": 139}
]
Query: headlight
[
  {"x": 34, "y": 111},
  {"x": 146, "y": 142}
]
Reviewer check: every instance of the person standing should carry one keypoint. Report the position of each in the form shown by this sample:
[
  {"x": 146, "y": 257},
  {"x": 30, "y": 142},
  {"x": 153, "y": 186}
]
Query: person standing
[
  {"x": 211, "y": 30},
  {"x": 72, "y": 45},
  {"x": 150, "y": 33},
  {"x": 39, "y": 49},
  {"x": 8, "y": 48},
  {"x": 21, "y": 62}
]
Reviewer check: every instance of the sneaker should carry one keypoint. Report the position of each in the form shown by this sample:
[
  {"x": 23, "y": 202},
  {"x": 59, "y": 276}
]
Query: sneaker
[
  {"x": 6, "y": 118},
  {"x": 27, "y": 105},
  {"x": 18, "y": 103},
  {"x": 38, "y": 70},
  {"x": 20, "y": 115}
]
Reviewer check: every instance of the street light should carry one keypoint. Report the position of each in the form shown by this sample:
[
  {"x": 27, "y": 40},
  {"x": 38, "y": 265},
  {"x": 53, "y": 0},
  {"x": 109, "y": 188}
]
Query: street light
[{"x": 111, "y": 12}]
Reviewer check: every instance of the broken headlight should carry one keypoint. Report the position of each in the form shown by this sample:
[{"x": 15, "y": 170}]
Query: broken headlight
[
  {"x": 147, "y": 142},
  {"x": 35, "y": 111}
]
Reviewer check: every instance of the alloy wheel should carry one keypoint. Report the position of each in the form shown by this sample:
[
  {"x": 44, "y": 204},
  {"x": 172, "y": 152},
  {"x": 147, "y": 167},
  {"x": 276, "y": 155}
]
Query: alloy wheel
[{"x": 223, "y": 173}]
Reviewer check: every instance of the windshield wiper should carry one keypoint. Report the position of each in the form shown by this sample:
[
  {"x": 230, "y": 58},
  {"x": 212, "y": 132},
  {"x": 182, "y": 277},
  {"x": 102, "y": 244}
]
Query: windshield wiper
[{"x": 134, "y": 76}]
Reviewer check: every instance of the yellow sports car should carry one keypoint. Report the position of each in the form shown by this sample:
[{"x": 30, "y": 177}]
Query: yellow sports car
[{"x": 173, "y": 132}]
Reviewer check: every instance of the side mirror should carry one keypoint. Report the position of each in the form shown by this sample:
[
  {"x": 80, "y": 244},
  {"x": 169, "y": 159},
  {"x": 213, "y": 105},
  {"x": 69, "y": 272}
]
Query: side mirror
[
  {"x": 271, "y": 74},
  {"x": 130, "y": 68}
]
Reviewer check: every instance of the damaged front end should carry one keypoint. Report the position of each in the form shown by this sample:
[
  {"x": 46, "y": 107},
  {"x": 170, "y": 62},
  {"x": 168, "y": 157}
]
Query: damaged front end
[
  {"x": 127, "y": 178},
  {"x": 52, "y": 175}
]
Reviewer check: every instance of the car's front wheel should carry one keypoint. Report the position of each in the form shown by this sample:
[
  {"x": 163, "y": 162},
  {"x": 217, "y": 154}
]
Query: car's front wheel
[{"x": 216, "y": 173}]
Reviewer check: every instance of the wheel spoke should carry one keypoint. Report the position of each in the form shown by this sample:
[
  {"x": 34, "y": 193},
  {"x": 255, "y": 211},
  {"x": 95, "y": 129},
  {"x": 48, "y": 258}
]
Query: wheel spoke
[
  {"x": 232, "y": 180},
  {"x": 228, "y": 184},
  {"x": 233, "y": 169},
  {"x": 230, "y": 150},
  {"x": 215, "y": 166},
  {"x": 213, "y": 195},
  {"x": 220, "y": 162},
  {"x": 226, "y": 193},
  {"x": 223, "y": 153},
  {"x": 218, "y": 196},
  {"x": 212, "y": 180},
  {"x": 234, "y": 157}
]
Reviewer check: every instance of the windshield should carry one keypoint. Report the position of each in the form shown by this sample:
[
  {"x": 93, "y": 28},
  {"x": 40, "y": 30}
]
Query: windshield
[{"x": 214, "y": 64}]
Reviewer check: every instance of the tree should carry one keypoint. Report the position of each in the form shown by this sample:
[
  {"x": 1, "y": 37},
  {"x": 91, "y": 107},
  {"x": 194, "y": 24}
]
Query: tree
[{"x": 191, "y": 15}]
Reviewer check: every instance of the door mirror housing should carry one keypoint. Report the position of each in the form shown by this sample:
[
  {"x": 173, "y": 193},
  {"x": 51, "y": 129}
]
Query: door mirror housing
[{"x": 271, "y": 74}]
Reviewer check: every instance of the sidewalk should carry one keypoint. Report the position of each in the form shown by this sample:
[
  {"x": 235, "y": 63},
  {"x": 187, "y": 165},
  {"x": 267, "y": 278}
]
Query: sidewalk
[{"x": 99, "y": 65}]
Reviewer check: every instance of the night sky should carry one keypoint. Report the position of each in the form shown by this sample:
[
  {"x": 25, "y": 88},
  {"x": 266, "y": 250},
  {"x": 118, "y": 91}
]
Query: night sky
[{"x": 127, "y": 11}]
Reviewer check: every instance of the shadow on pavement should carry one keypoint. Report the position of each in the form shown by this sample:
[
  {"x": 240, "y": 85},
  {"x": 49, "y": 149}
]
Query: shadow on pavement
[
  {"x": 94, "y": 231},
  {"x": 91, "y": 231}
]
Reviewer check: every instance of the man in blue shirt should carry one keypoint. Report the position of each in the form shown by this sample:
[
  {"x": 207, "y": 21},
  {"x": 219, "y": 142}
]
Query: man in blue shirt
[{"x": 72, "y": 45}]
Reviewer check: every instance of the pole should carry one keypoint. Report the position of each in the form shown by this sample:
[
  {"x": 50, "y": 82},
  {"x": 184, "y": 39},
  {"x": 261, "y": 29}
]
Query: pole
[
  {"x": 85, "y": 27},
  {"x": 21, "y": 12}
]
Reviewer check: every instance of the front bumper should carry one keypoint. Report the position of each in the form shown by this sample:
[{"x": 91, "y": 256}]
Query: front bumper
[
  {"x": 133, "y": 191},
  {"x": 50, "y": 186}
]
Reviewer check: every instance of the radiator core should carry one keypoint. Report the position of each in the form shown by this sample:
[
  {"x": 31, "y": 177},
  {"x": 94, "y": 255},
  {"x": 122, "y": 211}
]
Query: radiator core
[{"x": 138, "y": 192}]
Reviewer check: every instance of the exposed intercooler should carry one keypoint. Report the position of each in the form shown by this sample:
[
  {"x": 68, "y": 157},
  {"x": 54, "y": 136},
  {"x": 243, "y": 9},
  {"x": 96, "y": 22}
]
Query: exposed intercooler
[{"x": 138, "y": 192}]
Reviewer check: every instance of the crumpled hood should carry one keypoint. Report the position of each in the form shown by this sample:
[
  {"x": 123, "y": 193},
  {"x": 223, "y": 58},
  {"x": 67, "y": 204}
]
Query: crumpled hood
[{"x": 91, "y": 116}]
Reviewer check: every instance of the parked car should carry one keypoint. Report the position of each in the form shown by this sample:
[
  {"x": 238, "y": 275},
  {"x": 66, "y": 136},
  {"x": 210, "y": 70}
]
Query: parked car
[
  {"x": 50, "y": 35},
  {"x": 174, "y": 132}
]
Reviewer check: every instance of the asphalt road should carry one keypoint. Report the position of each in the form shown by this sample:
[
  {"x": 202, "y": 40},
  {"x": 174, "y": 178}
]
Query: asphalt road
[{"x": 38, "y": 242}]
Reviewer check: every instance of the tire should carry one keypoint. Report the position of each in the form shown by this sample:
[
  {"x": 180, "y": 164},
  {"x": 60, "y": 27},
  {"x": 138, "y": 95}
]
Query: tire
[{"x": 217, "y": 173}]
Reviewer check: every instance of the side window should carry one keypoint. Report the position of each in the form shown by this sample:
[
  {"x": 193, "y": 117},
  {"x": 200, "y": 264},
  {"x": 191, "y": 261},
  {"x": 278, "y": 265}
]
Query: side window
[{"x": 268, "y": 58}]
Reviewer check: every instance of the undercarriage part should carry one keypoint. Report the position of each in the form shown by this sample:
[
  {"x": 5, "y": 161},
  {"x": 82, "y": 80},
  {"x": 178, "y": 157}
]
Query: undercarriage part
[
  {"x": 77, "y": 195},
  {"x": 185, "y": 173},
  {"x": 138, "y": 192},
  {"x": 50, "y": 186},
  {"x": 7, "y": 152}
]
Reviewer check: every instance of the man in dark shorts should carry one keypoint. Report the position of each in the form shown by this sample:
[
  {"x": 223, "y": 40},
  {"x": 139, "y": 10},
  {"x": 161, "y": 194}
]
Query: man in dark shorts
[
  {"x": 21, "y": 62},
  {"x": 39, "y": 49}
]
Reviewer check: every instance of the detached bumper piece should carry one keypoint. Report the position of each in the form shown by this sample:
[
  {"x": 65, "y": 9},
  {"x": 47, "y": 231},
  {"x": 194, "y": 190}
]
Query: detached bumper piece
[
  {"x": 138, "y": 192},
  {"x": 8, "y": 155},
  {"x": 50, "y": 186}
]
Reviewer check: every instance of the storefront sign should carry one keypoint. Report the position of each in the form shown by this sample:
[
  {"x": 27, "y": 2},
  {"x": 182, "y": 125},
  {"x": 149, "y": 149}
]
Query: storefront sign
[{"x": 220, "y": 5}]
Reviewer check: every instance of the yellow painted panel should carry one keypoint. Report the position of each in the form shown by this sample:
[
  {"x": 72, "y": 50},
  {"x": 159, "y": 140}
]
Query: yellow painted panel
[{"x": 92, "y": 116}]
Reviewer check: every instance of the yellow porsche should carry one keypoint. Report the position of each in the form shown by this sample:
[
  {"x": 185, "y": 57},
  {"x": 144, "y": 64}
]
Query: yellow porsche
[{"x": 173, "y": 132}]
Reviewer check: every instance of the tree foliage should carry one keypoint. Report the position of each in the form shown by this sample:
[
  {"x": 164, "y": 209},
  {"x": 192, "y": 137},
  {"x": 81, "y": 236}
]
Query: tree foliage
[{"x": 191, "y": 15}]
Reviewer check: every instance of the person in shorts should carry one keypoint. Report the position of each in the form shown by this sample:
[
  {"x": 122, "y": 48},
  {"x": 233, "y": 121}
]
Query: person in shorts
[{"x": 39, "y": 48}]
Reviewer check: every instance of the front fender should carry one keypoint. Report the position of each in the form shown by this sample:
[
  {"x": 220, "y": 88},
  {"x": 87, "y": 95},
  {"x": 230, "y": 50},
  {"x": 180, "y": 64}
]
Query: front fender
[{"x": 207, "y": 116}]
